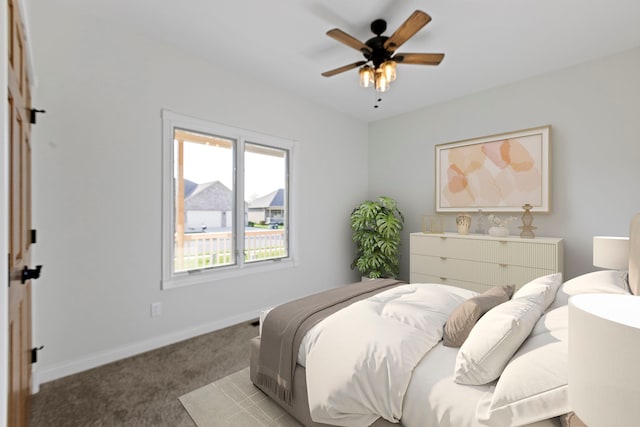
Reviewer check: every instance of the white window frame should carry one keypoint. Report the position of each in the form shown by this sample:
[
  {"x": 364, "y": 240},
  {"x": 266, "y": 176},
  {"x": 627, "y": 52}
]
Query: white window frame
[{"x": 171, "y": 279}]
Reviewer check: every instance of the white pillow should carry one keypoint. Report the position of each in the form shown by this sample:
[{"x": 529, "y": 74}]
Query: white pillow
[
  {"x": 533, "y": 386},
  {"x": 547, "y": 285},
  {"x": 602, "y": 282},
  {"x": 495, "y": 338}
]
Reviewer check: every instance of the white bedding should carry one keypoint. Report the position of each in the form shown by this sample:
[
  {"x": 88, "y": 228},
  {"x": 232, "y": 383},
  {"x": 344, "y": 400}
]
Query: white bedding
[
  {"x": 433, "y": 399},
  {"x": 380, "y": 340}
]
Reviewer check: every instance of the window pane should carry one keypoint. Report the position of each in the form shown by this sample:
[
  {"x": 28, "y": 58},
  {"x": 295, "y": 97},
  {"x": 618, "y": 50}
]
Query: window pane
[
  {"x": 204, "y": 201},
  {"x": 266, "y": 196}
]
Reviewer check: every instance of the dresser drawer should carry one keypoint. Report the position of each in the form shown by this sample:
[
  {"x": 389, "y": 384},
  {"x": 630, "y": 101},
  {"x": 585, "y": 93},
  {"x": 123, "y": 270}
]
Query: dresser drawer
[
  {"x": 540, "y": 255},
  {"x": 507, "y": 251},
  {"x": 441, "y": 245},
  {"x": 479, "y": 262},
  {"x": 444, "y": 267},
  {"x": 486, "y": 273}
]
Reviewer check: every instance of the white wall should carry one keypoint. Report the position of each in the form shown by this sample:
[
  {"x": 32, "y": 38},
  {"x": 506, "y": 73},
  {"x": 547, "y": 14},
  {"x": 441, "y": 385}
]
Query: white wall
[
  {"x": 97, "y": 177},
  {"x": 595, "y": 150}
]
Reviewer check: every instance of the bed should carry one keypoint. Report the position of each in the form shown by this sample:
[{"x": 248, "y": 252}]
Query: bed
[{"x": 458, "y": 359}]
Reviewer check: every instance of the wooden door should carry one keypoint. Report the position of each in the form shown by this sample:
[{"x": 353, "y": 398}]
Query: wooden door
[{"x": 19, "y": 222}]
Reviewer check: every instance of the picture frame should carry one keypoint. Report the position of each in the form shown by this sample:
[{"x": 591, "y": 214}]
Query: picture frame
[{"x": 495, "y": 173}]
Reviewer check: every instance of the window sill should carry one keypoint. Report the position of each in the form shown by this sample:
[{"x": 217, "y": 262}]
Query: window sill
[{"x": 212, "y": 275}]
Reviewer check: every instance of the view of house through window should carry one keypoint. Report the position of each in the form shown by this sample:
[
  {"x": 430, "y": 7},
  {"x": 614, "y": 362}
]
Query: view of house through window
[
  {"x": 265, "y": 176},
  {"x": 215, "y": 219}
]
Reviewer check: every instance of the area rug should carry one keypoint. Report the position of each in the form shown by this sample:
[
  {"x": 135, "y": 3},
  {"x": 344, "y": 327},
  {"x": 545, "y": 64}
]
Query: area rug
[{"x": 234, "y": 401}]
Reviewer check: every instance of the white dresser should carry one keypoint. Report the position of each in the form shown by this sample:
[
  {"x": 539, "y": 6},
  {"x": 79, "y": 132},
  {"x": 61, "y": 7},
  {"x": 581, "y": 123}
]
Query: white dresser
[{"x": 479, "y": 262}]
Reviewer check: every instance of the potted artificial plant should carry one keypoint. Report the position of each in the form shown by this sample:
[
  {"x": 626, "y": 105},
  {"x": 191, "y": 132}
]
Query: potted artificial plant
[{"x": 376, "y": 229}]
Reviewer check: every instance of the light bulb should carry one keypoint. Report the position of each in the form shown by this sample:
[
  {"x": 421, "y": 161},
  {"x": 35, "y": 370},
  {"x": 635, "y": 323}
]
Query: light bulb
[
  {"x": 381, "y": 82},
  {"x": 366, "y": 76},
  {"x": 389, "y": 69}
]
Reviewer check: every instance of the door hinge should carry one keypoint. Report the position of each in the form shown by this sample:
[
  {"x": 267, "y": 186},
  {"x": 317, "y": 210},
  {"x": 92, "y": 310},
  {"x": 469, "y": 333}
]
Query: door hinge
[
  {"x": 32, "y": 115},
  {"x": 34, "y": 353},
  {"x": 33, "y": 236},
  {"x": 28, "y": 274}
]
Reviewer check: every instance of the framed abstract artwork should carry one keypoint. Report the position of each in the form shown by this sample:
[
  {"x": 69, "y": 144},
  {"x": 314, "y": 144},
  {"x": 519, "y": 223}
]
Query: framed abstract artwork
[{"x": 496, "y": 173}]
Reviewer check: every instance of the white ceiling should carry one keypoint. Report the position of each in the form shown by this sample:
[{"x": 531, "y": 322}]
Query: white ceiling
[{"x": 282, "y": 42}]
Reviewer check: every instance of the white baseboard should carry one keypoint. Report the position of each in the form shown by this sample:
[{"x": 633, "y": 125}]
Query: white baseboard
[{"x": 41, "y": 376}]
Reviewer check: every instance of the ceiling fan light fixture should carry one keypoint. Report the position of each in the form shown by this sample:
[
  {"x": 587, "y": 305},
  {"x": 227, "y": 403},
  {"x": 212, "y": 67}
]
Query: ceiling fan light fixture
[
  {"x": 389, "y": 70},
  {"x": 381, "y": 82},
  {"x": 378, "y": 69},
  {"x": 366, "y": 76}
]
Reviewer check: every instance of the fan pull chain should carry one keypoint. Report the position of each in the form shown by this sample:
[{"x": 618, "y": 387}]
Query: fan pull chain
[{"x": 378, "y": 99}]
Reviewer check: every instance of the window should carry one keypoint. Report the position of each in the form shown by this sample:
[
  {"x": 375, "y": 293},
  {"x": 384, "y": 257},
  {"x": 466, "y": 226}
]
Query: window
[{"x": 226, "y": 201}]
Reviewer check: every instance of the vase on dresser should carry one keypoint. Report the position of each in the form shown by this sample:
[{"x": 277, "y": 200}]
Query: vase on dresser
[
  {"x": 463, "y": 222},
  {"x": 527, "y": 220}
]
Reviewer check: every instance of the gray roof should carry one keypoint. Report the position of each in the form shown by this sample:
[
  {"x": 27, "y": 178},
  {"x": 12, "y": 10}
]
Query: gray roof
[
  {"x": 210, "y": 196},
  {"x": 275, "y": 199},
  {"x": 189, "y": 186}
]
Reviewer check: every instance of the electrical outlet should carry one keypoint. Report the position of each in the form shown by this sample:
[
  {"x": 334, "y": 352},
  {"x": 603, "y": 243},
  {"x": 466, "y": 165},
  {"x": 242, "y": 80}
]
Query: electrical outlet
[{"x": 156, "y": 309}]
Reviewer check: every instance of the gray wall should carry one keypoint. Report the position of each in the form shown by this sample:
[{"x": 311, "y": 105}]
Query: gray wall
[
  {"x": 593, "y": 109},
  {"x": 97, "y": 190}
]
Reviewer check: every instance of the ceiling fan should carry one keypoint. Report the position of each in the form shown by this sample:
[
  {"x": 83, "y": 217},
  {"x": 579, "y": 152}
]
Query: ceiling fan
[{"x": 380, "y": 51}]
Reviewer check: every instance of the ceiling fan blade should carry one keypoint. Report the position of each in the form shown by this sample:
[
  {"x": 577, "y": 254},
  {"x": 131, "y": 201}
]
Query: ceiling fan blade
[
  {"x": 343, "y": 69},
  {"x": 350, "y": 41},
  {"x": 418, "y": 58},
  {"x": 412, "y": 25}
]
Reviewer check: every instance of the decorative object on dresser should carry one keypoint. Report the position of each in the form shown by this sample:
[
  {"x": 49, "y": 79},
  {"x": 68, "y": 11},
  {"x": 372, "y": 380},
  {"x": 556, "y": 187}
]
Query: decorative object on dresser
[
  {"x": 432, "y": 224},
  {"x": 611, "y": 253},
  {"x": 479, "y": 262},
  {"x": 527, "y": 220},
  {"x": 376, "y": 229},
  {"x": 463, "y": 222},
  {"x": 480, "y": 172},
  {"x": 480, "y": 222},
  {"x": 499, "y": 227}
]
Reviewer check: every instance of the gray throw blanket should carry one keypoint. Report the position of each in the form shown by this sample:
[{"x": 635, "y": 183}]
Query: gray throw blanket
[{"x": 285, "y": 326}]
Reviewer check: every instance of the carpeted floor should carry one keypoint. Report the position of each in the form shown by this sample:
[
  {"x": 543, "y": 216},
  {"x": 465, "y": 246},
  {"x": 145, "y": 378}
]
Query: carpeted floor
[{"x": 143, "y": 390}]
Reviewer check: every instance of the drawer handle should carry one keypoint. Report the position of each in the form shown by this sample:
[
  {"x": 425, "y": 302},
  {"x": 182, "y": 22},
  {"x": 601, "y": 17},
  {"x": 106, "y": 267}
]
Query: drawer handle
[
  {"x": 443, "y": 237},
  {"x": 444, "y": 279},
  {"x": 444, "y": 258},
  {"x": 503, "y": 265},
  {"x": 502, "y": 241}
]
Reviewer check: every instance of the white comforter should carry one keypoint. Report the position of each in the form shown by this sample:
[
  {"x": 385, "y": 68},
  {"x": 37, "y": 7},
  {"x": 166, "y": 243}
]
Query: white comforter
[{"x": 380, "y": 341}]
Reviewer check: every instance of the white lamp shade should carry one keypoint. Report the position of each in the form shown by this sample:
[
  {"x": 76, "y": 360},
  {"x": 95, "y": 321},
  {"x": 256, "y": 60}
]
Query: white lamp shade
[
  {"x": 611, "y": 252},
  {"x": 604, "y": 359}
]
